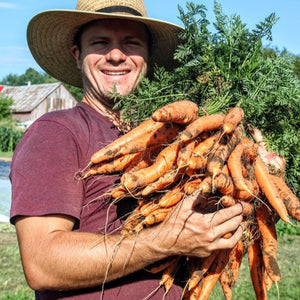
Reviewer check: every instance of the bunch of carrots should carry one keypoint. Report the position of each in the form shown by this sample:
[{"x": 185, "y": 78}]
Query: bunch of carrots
[{"x": 176, "y": 153}]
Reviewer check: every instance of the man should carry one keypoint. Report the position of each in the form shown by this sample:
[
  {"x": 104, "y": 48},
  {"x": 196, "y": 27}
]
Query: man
[{"x": 67, "y": 229}]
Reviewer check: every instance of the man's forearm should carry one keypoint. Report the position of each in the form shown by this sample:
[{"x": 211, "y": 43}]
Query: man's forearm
[
  {"x": 55, "y": 257},
  {"x": 69, "y": 260}
]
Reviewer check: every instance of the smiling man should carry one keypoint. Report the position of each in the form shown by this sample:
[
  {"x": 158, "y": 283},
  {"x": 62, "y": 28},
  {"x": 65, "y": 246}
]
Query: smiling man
[
  {"x": 112, "y": 54},
  {"x": 112, "y": 57},
  {"x": 69, "y": 230}
]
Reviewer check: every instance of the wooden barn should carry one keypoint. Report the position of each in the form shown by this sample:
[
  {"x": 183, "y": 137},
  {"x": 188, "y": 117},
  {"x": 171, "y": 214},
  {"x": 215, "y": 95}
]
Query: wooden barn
[{"x": 32, "y": 101}]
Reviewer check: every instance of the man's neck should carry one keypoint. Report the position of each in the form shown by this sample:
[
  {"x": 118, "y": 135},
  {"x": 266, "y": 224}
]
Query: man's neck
[{"x": 107, "y": 111}]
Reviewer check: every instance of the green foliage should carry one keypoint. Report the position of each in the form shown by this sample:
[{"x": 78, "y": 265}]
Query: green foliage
[
  {"x": 225, "y": 68},
  {"x": 283, "y": 229},
  {"x": 75, "y": 91},
  {"x": 5, "y": 111},
  {"x": 30, "y": 75},
  {"x": 297, "y": 66},
  {"x": 9, "y": 138}
]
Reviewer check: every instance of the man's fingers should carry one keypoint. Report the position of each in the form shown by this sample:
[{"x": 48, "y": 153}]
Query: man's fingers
[
  {"x": 226, "y": 214},
  {"x": 229, "y": 243}
]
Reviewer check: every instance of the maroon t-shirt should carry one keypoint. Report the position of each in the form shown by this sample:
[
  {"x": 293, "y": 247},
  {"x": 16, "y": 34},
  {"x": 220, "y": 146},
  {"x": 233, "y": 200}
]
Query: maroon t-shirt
[{"x": 43, "y": 170}]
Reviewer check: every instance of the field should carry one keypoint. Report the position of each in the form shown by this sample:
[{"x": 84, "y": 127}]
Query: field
[{"x": 13, "y": 284}]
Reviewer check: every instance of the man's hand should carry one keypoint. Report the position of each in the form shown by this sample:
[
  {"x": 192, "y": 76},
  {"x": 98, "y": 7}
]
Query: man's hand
[{"x": 191, "y": 233}]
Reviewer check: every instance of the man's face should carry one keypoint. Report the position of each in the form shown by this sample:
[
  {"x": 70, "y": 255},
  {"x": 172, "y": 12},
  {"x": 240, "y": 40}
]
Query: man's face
[{"x": 113, "y": 55}]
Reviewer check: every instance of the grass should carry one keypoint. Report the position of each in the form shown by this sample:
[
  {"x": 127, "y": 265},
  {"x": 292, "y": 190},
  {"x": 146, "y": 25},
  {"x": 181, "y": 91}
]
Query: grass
[
  {"x": 289, "y": 287},
  {"x": 13, "y": 284},
  {"x": 12, "y": 281},
  {"x": 6, "y": 154}
]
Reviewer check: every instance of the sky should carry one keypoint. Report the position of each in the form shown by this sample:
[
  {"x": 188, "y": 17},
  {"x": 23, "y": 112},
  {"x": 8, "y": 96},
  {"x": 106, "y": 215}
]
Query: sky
[{"x": 15, "y": 57}]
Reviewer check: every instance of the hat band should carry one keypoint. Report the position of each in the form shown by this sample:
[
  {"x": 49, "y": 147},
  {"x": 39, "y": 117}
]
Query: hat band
[{"x": 118, "y": 9}]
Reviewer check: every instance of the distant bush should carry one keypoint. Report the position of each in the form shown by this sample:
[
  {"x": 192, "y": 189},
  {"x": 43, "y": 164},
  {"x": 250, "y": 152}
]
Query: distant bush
[
  {"x": 9, "y": 138},
  {"x": 283, "y": 229}
]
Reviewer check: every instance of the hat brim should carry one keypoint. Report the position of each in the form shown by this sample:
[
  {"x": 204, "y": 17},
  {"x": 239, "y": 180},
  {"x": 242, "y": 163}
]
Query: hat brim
[{"x": 50, "y": 37}]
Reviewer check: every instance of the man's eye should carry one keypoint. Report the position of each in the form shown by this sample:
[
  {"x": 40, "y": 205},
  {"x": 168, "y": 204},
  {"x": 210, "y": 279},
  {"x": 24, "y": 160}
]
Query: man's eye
[
  {"x": 134, "y": 43},
  {"x": 99, "y": 42}
]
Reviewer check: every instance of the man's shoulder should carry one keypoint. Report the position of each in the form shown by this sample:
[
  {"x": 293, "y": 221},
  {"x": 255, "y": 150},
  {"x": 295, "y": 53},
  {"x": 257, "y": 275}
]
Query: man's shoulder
[
  {"x": 65, "y": 115},
  {"x": 79, "y": 116},
  {"x": 80, "y": 120}
]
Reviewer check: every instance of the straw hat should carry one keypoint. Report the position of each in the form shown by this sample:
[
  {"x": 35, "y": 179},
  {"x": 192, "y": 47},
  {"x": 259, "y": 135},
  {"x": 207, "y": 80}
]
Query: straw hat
[{"x": 50, "y": 34}]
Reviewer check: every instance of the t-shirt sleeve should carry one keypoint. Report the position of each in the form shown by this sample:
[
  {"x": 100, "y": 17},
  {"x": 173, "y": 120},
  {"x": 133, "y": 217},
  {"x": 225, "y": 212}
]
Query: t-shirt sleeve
[{"x": 43, "y": 172}]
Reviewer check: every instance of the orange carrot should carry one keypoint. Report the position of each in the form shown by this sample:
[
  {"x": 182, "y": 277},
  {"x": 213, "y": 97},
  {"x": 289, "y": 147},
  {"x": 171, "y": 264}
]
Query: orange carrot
[
  {"x": 266, "y": 225},
  {"x": 252, "y": 191},
  {"x": 225, "y": 283},
  {"x": 206, "y": 185},
  {"x": 267, "y": 280},
  {"x": 185, "y": 153},
  {"x": 200, "y": 153},
  {"x": 148, "y": 208},
  {"x": 264, "y": 181},
  {"x": 108, "y": 167},
  {"x": 172, "y": 197},
  {"x": 235, "y": 164},
  {"x": 275, "y": 162},
  {"x": 148, "y": 134},
  {"x": 248, "y": 208},
  {"x": 290, "y": 200},
  {"x": 182, "y": 112},
  {"x": 210, "y": 280},
  {"x": 161, "y": 265},
  {"x": 157, "y": 216},
  {"x": 131, "y": 222},
  {"x": 168, "y": 276},
  {"x": 232, "y": 119},
  {"x": 256, "y": 269},
  {"x": 227, "y": 200},
  {"x": 235, "y": 260},
  {"x": 195, "y": 293},
  {"x": 251, "y": 152},
  {"x": 163, "y": 163},
  {"x": 162, "y": 182},
  {"x": 198, "y": 274},
  {"x": 218, "y": 157},
  {"x": 202, "y": 124},
  {"x": 144, "y": 160},
  {"x": 118, "y": 191},
  {"x": 225, "y": 170},
  {"x": 192, "y": 185},
  {"x": 224, "y": 184}
]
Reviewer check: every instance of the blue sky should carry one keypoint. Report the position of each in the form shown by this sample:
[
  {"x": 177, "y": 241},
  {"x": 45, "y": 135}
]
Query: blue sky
[{"x": 15, "y": 15}]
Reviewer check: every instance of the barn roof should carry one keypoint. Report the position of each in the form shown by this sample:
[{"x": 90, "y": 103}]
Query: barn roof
[{"x": 27, "y": 97}]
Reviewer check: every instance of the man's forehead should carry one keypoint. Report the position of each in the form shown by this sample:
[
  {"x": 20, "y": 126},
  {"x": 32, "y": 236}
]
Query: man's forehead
[{"x": 116, "y": 25}]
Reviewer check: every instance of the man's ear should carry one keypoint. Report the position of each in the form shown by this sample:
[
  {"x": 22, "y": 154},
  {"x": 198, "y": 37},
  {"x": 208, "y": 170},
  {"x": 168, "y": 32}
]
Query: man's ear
[{"x": 76, "y": 54}]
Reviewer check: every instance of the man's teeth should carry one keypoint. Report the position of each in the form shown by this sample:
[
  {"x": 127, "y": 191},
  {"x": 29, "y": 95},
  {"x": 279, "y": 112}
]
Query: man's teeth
[{"x": 116, "y": 73}]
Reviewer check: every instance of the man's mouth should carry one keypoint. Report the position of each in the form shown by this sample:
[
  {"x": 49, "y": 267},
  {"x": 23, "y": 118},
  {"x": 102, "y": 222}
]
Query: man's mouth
[{"x": 115, "y": 73}]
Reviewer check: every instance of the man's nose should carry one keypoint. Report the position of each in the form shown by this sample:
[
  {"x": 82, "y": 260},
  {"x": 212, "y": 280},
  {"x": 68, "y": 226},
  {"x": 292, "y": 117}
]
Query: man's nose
[{"x": 116, "y": 55}]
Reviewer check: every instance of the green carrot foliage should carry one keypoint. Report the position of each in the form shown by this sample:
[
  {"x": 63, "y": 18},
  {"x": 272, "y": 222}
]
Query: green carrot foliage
[{"x": 225, "y": 67}]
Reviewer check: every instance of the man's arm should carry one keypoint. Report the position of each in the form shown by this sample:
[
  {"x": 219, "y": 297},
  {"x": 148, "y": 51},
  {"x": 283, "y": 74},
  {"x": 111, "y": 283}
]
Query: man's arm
[{"x": 55, "y": 257}]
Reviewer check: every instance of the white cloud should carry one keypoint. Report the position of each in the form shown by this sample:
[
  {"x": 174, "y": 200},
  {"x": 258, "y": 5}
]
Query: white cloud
[
  {"x": 8, "y": 5},
  {"x": 15, "y": 60}
]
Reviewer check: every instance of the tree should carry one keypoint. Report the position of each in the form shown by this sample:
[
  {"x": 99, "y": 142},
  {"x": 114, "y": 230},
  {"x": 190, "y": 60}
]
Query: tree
[
  {"x": 5, "y": 111},
  {"x": 297, "y": 66},
  {"x": 30, "y": 75}
]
